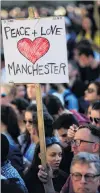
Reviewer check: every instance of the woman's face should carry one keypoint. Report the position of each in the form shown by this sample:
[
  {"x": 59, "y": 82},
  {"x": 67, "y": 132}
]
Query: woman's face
[
  {"x": 28, "y": 122},
  {"x": 91, "y": 93},
  {"x": 54, "y": 156}
]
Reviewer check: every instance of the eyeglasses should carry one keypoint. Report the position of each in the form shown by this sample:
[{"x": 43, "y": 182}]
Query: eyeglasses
[
  {"x": 78, "y": 142},
  {"x": 28, "y": 121},
  {"x": 96, "y": 120},
  {"x": 3, "y": 95},
  {"x": 90, "y": 90},
  {"x": 88, "y": 177}
]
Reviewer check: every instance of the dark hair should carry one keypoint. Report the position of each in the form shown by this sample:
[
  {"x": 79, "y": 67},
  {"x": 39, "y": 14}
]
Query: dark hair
[
  {"x": 65, "y": 121},
  {"x": 54, "y": 86},
  {"x": 53, "y": 104},
  {"x": 93, "y": 27},
  {"x": 48, "y": 122},
  {"x": 94, "y": 130},
  {"x": 4, "y": 148},
  {"x": 97, "y": 84},
  {"x": 9, "y": 118},
  {"x": 20, "y": 103},
  {"x": 83, "y": 43},
  {"x": 86, "y": 51},
  {"x": 33, "y": 108},
  {"x": 96, "y": 105},
  {"x": 49, "y": 142},
  {"x": 11, "y": 185}
]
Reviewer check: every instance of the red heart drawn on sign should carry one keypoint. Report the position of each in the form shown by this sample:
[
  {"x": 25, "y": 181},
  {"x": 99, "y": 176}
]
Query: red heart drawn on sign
[{"x": 33, "y": 50}]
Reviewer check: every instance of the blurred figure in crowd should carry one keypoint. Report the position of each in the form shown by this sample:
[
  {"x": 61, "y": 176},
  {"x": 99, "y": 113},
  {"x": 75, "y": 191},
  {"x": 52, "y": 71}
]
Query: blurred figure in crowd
[
  {"x": 20, "y": 91},
  {"x": 54, "y": 106},
  {"x": 92, "y": 93},
  {"x": 20, "y": 105},
  {"x": 73, "y": 73},
  {"x": 31, "y": 92},
  {"x": 89, "y": 67},
  {"x": 8, "y": 93},
  {"x": 95, "y": 114},
  {"x": 68, "y": 99},
  {"x": 89, "y": 31},
  {"x": 7, "y": 170},
  {"x": 10, "y": 128},
  {"x": 88, "y": 110}
]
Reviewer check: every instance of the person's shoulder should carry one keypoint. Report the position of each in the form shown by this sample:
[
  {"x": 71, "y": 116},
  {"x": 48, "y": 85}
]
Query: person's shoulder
[{"x": 11, "y": 185}]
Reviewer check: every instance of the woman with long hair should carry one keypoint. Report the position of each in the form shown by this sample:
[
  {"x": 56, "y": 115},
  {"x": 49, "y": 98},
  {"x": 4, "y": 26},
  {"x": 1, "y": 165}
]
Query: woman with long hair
[
  {"x": 89, "y": 31},
  {"x": 54, "y": 157},
  {"x": 10, "y": 128},
  {"x": 9, "y": 124},
  {"x": 31, "y": 136}
]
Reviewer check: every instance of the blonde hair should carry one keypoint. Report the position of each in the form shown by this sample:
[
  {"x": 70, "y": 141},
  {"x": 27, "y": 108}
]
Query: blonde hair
[{"x": 10, "y": 89}]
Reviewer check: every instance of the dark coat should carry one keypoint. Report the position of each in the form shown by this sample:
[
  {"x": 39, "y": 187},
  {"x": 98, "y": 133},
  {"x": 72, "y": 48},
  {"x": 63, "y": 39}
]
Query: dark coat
[
  {"x": 16, "y": 158},
  {"x": 34, "y": 185},
  {"x": 10, "y": 185}
]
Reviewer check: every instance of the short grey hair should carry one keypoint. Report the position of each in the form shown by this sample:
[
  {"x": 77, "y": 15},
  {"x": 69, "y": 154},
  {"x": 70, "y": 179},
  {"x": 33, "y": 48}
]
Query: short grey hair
[{"x": 84, "y": 157}]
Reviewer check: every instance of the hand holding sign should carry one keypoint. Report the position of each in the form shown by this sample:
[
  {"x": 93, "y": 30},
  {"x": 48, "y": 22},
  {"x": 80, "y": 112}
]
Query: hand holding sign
[{"x": 33, "y": 50}]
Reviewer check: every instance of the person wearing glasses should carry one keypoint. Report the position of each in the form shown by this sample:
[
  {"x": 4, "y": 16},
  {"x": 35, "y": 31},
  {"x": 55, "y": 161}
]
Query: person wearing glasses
[
  {"x": 54, "y": 157},
  {"x": 84, "y": 175},
  {"x": 30, "y": 138},
  {"x": 93, "y": 92},
  {"x": 86, "y": 139},
  {"x": 95, "y": 114}
]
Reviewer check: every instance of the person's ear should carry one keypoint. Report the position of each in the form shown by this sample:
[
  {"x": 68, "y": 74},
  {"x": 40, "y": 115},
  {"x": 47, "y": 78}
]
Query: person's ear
[{"x": 96, "y": 147}]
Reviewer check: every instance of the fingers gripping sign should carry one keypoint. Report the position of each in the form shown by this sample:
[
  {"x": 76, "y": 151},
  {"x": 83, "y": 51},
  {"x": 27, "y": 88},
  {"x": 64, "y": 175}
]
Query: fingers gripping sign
[{"x": 71, "y": 131}]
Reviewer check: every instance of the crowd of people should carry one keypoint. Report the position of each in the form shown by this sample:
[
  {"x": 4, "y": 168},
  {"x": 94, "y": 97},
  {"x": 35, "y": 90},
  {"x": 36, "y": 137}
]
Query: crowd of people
[
  {"x": 71, "y": 114},
  {"x": 72, "y": 140}
]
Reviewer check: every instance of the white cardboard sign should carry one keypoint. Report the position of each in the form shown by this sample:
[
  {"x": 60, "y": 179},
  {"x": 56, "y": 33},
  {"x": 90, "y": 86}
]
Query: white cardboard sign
[{"x": 35, "y": 50}]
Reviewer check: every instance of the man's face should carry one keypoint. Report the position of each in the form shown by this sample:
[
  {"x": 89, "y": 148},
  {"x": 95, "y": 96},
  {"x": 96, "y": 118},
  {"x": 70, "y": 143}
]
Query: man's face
[
  {"x": 82, "y": 184},
  {"x": 83, "y": 60},
  {"x": 31, "y": 92},
  {"x": 82, "y": 141},
  {"x": 95, "y": 117},
  {"x": 62, "y": 135}
]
